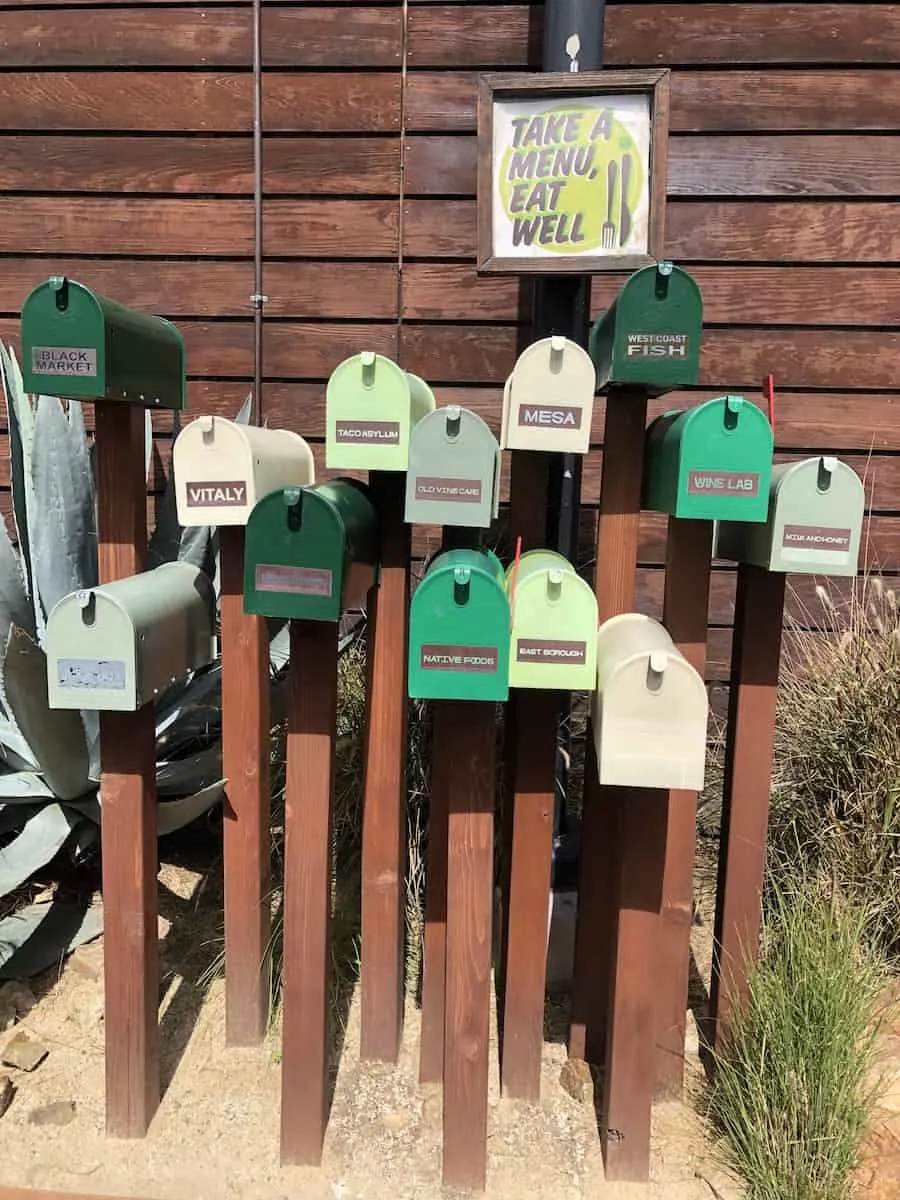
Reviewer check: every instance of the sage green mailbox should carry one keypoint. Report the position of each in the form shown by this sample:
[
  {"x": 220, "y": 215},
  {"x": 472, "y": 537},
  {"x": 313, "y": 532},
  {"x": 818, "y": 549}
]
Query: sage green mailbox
[
  {"x": 81, "y": 345},
  {"x": 310, "y": 552},
  {"x": 553, "y": 612},
  {"x": 116, "y": 647},
  {"x": 459, "y": 629},
  {"x": 371, "y": 407},
  {"x": 650, "y": 336},
  {"x": 814, "y": 523},
  {"x": 712, "y": 462},
  {"x": 453, "y": 476}
]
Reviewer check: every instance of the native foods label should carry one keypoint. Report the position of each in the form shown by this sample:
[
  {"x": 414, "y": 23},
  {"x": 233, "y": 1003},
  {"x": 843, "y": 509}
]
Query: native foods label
[{"x": 475, "y": 659}]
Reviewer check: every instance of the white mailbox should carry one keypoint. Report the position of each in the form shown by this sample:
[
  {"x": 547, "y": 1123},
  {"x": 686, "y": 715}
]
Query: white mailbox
[
  {"x": 548, "y": 401},
  {"x": 222, "y": 468},
  {"x": 650, "y": 710},
  {"x": 116, "y": 647}
]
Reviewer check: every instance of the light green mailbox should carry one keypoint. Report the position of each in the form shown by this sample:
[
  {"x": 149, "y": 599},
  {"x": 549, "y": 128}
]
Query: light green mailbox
[
  {"x": 454, "y": 470},
  {"x": 82, "y": 346},
  {"x": 459, "y": 629},
  {"x": 553, "y": 643},
  {"x": 116, "y": 647},
  {"x": 712, "y": 462},
  {"x": 814, "y": 524},
  {"x": 371, "y": 407}
]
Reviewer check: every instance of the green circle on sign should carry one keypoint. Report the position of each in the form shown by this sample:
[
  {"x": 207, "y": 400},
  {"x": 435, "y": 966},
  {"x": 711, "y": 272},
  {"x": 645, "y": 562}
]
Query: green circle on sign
[{"x": 560, "y": 171}]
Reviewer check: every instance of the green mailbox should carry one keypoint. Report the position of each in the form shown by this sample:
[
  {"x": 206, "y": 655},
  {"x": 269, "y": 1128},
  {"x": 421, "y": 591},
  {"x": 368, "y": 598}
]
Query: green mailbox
[
  {"x": 553, "y": 617},
  {"x": 454, "y": 470},
  {"x": 371, "y": 406},
  {"x": 84, "y": 347},
  {"x": 650, "y": 336},
  {"x": 710, "y": 463},
  {"x": 311, "y": 552},
  {"x": 459, "y": 629}
]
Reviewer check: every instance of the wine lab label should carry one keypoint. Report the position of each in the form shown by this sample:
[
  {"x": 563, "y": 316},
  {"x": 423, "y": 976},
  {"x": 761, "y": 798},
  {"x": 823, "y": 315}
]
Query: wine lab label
[{"x": 723, "y": 483}]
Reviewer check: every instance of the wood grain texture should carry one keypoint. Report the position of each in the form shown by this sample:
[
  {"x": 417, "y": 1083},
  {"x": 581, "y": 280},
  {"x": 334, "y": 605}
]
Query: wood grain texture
[
  {"x": 312, "y": 717},
  {"x": 434, "y": 950},
  {"x": 337, "y": 36}
]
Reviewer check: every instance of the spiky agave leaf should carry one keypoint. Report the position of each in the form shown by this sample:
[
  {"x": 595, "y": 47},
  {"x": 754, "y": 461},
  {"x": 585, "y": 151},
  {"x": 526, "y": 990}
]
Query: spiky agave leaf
[
  {"x": 36, "y": 937},
  {"x": 20, "y": 415}
]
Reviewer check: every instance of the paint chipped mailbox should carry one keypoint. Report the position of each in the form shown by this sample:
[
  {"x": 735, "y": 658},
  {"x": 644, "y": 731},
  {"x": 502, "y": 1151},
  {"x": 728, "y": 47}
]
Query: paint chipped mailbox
[
  {"x": 709, "y": 463},
  {"x": 548, "y": 401},
  {"x": 223, "y": 467},
  {"x": 650, "y": 336},
  {"x": 116, "y": 647},
  {"x": 554, "y": 624},
  {"x": 814, "y": 523},
  {"x": 454, "y": 470},
  {"x": 310, "y": 553},
  {"x": 371, "y": 407},
  {"x": 82, "y": 346},
  {"x": 650, "y": 709},
  {"x": 459, "y": 629}
]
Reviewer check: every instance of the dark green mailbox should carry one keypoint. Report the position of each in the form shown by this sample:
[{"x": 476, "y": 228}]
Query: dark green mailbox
[
  {"x": 711, "y": 463},
  {"x": 82, "y": 346},
  {"x": 650, "y": 336},
  {"x": 311, "y": 552},
  {"x": 459, "y": 629}
]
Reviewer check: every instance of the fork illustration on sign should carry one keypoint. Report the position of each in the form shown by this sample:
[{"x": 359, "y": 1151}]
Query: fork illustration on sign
[{"x": 608, "y": 232}]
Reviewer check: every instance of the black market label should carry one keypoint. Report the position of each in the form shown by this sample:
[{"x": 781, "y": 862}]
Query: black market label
[
  {"x": 545, "y": 650},
  {"x": 555, "y": 416},
  {"x": 457, "y": 491},
  {"x": 474, "y": 659},
  {"x": 299, "y": 581},
  {"x": 816, "y": 537},
  {"x": 657, "y": 345},
  {"x": 91, "y": 673},
  {"x": 216, "y": 494},
  {"x": 63, "y": 360},
  {"x": 368, "y": 433},
  {"x": 723, "y": 483}
]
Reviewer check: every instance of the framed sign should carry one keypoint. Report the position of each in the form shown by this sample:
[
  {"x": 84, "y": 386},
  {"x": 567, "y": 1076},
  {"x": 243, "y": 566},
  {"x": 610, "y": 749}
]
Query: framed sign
[{"x": 571, "y": 171}]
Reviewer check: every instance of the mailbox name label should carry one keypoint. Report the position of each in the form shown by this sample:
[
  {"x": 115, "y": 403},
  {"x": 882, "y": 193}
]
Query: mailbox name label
[
  {"x": 815, "y": 537},
  {"x": 90, "y": 673},
  {"x": 370, "y": 433},
  {"x": 657, "y": 345},
  {"x": 299, "y": 581},
  {"x": 459, "y": 491},
  {"x": 224, "y": 494},
  {"x": 544, "y": 650},
  {"x": 723, "y": 483},
  {"x": 551, "y": 417},
  {"x": 458, "y": 658},
  {"x": 63, "y": 360}
]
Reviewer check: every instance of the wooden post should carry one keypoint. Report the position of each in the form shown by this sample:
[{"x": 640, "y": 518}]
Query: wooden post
[
  {"x": 759, "y": 612},
  {"x": 245, "y": 756},
  {"x": 685, "y": 615},
  {"x": 444, "y": 759},
  {"x": 312, "y": 718},
  {"x": 470, "y": 871},
  {"x": 128, "y": 802},
  {"x": 384, "y": 803}
]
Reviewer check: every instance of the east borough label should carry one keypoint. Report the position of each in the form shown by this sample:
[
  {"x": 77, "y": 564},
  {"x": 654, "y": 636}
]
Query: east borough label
[
  {"x": 63, "y": 360},
  {"x": 815, "y": 537},
  {"x": 369, "y": 433},
  {"x": 476, "y": 659},
  {"x": 544, "y": 651},
  {"x": 459, "y": 491},
  {"x": 549, "y": 417},
  {"x": 216, "y": 494},
  {"x": 299, "y": 581},
  {"x": 657, "y": 345},
  {"x": 723, "y": 483}
]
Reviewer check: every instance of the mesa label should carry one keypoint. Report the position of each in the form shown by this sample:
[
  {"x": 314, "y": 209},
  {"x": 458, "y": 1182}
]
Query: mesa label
[
  {"x": 723, "y": 483},
  {"x": 556, "y": 416},
  {"x": 539, "y": 650},
  {"x": 368, "y": 433},
  {"x": 90, "y": 673},
  {"x": 657, "y": 345},
  {"x": 298, "y": 581},
  {"x": 63, "y": 360},
  {"x": 229, "y": 493},
  {"x": 474, "y": 659},
  {"x": 815, "y": 537},
  {"x": 458, "y": 491}
]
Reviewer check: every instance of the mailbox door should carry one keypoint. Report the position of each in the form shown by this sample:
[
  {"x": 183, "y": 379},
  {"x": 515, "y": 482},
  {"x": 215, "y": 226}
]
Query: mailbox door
[
  {"x": 422, "y": 400},
  {"x": 91, "y": 655},
  {"x": 368, "y": 403},
  {"x": 452, "y": 470},
  {"x": 551, "y": 398},
  {"x": 554, "y": 625},
  {"x": 661, "y": 462}
]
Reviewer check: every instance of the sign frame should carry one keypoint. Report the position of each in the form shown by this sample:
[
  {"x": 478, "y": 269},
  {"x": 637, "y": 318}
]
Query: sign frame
[{"x": 552, "y": 85}]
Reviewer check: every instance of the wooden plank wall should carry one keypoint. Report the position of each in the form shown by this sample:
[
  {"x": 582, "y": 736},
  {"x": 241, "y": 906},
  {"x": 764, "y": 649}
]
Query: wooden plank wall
[{"x": 126, "y": 160}]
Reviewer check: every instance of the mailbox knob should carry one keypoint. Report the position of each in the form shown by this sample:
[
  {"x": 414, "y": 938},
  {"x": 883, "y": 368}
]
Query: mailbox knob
[{"x": 367, "y": 358}]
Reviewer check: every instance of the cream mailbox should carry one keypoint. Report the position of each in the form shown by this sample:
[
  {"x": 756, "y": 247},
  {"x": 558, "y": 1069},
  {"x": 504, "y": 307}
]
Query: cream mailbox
[
  {"x": 548, "y": 401},
  {"x": 115, "y": 648},
  {"x": 814, "y": 525},
  {"x": 222, "y": 468},
  {"x": 454, "y": 470},
  {"x": 371, "y": 406},
  {"x": 554, "y": 624},
  {"x": 650, "y": 708}
]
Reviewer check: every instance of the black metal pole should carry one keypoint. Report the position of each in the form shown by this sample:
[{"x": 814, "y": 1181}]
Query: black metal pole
[{"x": 257, "y": 299}]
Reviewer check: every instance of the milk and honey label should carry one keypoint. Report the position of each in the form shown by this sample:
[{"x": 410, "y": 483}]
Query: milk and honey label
[
  {"x": 545, "y": 650},
  {"x": 475, "y": 659},
  {"x": 63, "y": 360},
  {"x": 367, "y": 433},
  {"x": 459, "y": 491},
  {"x": 216, "y": 494},
  {"x": 723, "y": 483},
  {"x": 815, "y": 537},
  {"x": 299, "y": 581}
]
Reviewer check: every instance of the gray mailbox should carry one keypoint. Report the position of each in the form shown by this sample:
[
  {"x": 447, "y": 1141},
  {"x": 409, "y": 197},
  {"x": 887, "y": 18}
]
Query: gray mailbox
[{"x": 454, "y": 470}]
